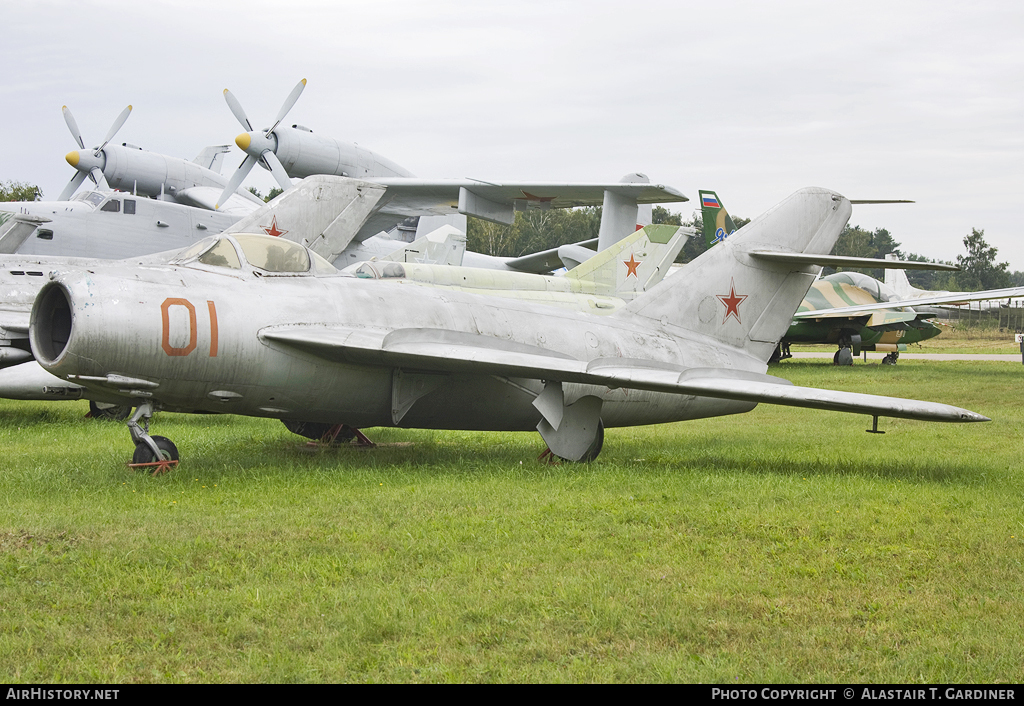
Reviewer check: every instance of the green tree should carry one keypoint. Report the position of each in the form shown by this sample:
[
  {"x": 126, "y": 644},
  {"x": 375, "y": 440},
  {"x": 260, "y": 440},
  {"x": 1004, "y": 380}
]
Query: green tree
[
  {"x": 854, "y": 241},
  {"x": 19, "y": 191},
  {"x": 978, "y": 269},
  {"x": 533, "y": 231}
]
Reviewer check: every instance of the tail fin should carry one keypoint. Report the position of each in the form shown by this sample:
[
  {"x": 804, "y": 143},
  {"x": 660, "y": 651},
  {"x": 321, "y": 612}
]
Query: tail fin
[
  {"x": 444, "y": 246},
  {"x": 897, "y": 281},
  {"x": 717, "y": 224},
  {"x": 736, "y": 295},
  {"x": 634, "y": 264},
  {"x": 322, "y": 212}
]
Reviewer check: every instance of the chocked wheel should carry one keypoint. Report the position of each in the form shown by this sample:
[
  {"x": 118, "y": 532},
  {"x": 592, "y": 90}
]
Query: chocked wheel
[
  {"x": 111, "y": 412},
  {"x": 144, "y": 454}
]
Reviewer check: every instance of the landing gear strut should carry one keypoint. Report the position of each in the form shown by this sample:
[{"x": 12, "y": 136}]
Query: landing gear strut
[{"x": 157, "y": 454}]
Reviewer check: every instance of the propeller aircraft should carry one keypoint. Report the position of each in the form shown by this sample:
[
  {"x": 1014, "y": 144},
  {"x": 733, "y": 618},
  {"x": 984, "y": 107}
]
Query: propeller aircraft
[
  {"x": 228, "y": 327},
  {"x": 295, "y": 151}
]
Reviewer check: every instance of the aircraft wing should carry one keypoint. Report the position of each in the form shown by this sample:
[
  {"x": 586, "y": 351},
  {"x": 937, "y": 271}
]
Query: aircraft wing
[
  {"x": 868, "y": 318},
  {"x": 545, "y": 261},
  {"x": 433, "y": 350},
  {"x": 414, "y": 197},
  {"x": 944, "y": 299}
]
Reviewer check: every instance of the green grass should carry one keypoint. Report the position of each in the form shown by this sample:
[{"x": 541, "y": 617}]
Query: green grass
[{"x": 780, "y": 545}]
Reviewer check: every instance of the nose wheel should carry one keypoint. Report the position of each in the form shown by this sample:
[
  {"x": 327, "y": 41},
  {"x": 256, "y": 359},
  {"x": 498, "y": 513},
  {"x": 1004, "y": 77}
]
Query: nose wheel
[{"x": 156, "y": 454}]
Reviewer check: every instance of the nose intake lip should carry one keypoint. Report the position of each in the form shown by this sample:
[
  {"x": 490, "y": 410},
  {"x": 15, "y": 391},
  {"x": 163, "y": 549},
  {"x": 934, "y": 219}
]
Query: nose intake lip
[{"x": 50, "y": 323}]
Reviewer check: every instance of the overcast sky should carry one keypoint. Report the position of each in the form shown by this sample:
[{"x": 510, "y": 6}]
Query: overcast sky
[{"x": 916, "y": 100}]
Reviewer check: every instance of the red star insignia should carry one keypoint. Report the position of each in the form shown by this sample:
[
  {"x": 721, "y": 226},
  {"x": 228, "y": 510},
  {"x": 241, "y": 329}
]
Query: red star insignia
[
  {"x": 732, "y": 302},
  {"x": 631, "y": 264},
  {"x": 272, "y": 229}
]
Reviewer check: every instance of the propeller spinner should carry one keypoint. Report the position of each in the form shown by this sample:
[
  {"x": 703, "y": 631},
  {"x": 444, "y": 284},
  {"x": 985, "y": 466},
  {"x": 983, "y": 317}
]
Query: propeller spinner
[
  {"x": 259, "y": 145},
  {"x": 88, "y": 162}
]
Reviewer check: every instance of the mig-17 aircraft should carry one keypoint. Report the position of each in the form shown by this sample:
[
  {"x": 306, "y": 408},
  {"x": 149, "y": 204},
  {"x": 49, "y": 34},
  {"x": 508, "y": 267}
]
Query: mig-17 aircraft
[{"x": 247, "y": 324}]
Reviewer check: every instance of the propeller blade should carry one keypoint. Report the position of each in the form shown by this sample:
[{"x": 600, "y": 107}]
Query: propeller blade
[
  {"x": 278, "y": 170},
  {"x": 73, "y": 127},
  {"x": 236, "y": 110},
  {"x": 236, "y": 179},
  {"x": 288, "y": 103},
  {"x": 97, "y": 176},
  {"x": 76, "y": 181},
  {"x": 113, "y": 129}
]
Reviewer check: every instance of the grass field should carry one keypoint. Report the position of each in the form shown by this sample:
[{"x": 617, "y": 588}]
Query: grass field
[{"x": 781, "y": 545}]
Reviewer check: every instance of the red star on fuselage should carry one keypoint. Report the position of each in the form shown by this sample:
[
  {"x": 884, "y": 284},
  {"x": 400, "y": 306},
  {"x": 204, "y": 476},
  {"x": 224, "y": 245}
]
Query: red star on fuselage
[
  {"x": 272, "y": 229},
  {"x": 732, "y": 302},
  {"x": 631, "y": 264}
]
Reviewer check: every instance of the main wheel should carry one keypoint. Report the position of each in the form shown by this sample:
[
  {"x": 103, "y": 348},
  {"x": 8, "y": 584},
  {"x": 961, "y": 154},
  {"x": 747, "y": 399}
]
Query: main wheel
[
  {"x": 144, "y": 454},
  {"x": 844, "y": 357},
  {"x": 111, "y": 412}
]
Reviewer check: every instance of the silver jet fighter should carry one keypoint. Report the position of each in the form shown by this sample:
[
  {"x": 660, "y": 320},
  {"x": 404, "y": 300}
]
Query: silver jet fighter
[{"x": 229, "y": 327}]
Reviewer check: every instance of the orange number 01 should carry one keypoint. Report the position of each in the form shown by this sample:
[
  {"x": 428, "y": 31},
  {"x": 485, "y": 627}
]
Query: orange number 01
[{"x": 193, "y": 337}]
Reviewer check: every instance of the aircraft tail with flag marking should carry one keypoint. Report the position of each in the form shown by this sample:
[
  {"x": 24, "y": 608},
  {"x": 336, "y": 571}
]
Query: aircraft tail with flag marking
[
  {"x": 744, "y": 291},
  {"x": 718, "y": 224}
]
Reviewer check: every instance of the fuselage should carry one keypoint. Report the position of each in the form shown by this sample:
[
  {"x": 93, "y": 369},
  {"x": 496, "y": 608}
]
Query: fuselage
[
  {"x": 114, "y": 225},
  {"x": 190, "y": 338}
]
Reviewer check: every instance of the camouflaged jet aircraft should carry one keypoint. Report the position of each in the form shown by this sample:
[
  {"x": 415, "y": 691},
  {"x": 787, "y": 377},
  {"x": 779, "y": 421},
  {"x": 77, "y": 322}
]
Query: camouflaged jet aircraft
[
  {"x": 297, "y": 152},
  {"x": 228, "y": 327},
  {"x": 889, "y": 327}
]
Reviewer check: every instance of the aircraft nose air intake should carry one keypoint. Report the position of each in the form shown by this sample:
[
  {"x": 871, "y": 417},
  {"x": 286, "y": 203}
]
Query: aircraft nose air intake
[
  {"x": 50, "y": 328},
  {"x": 72, "y": 158},
  {"x": 243, "y": 141}
]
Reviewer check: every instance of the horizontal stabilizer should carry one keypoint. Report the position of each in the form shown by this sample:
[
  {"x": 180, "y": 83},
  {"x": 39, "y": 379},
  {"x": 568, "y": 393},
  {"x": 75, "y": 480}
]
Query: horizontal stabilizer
[
  {"x": 441, "y": 351},
  {"x": 843, "y": 261}
]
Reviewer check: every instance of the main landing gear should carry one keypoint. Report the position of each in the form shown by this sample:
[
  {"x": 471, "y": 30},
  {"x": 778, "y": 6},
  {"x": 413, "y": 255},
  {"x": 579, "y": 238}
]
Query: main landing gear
[
  {"x": 891, "y": 358},
  {"x": 156, "y": 454}
]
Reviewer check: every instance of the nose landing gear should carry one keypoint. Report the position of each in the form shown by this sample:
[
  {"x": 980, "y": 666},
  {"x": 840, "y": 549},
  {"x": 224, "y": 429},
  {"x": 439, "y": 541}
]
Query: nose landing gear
[{"x": 156, "y": 454}]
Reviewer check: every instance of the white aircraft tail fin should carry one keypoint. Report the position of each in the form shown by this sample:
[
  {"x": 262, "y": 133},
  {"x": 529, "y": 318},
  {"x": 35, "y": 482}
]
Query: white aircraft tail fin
[
  {"x": 443, "y": 246},
  {"x": 735, "y": 295},
  {"x": 634, "y": 264},
  {"x": 212, "y": 157},
  {"x": 898, "y": 282},
  {"x": 322, "y": 212}
]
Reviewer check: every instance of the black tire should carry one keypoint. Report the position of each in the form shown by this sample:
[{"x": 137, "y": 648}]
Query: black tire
[
  {"x": 144, "y": 454},
  {"x": 835, "y": 359},
  {"x": 109, "y": 412},
  {"x": 844, "y": 356}
]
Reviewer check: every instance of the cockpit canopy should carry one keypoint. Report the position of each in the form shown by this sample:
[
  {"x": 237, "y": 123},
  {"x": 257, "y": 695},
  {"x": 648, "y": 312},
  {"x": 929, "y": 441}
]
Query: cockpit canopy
[
  {"x": 872, "y": 286},
  {"x": 263, "y": 253}
]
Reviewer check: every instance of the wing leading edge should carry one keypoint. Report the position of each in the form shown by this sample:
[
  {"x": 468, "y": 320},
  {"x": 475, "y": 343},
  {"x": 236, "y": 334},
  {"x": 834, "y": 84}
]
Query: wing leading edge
[{"x": 433, "y": 350}]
